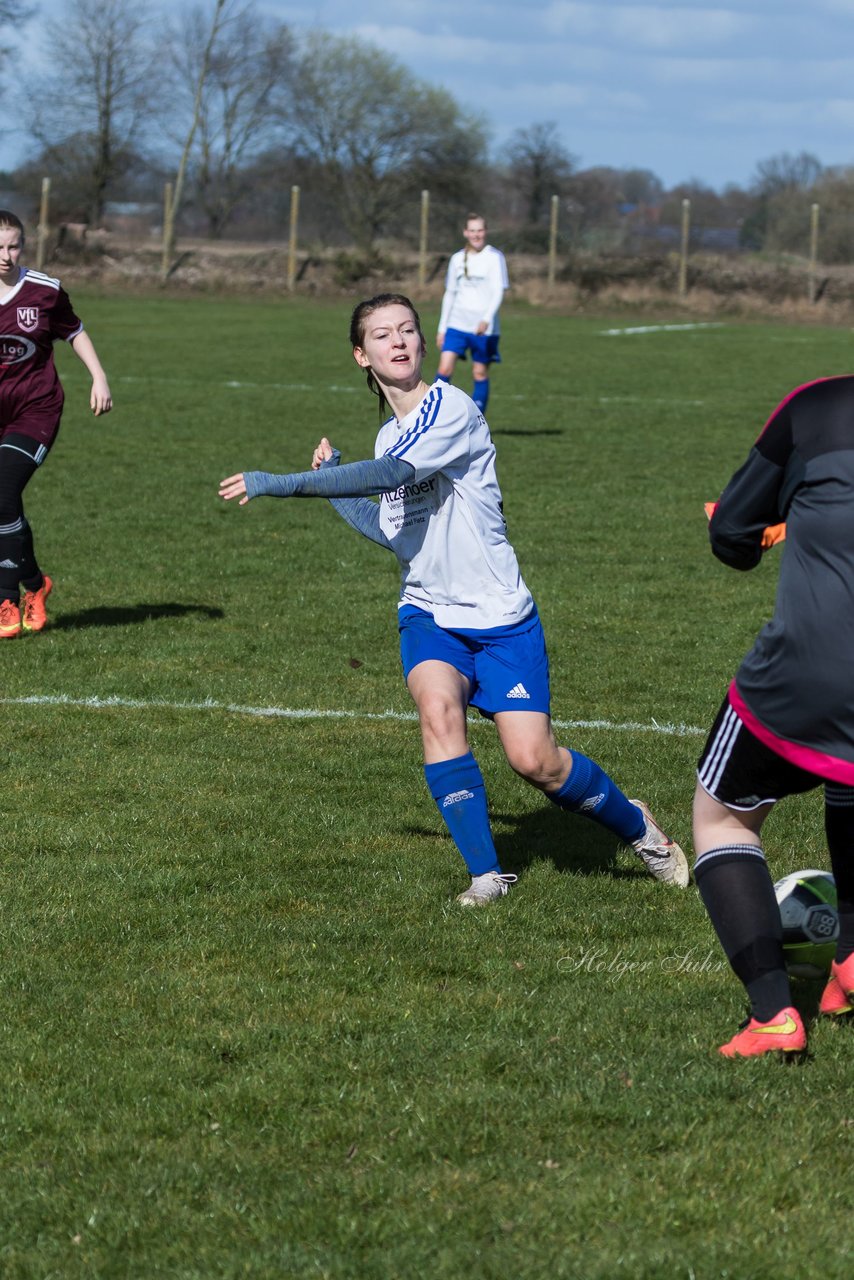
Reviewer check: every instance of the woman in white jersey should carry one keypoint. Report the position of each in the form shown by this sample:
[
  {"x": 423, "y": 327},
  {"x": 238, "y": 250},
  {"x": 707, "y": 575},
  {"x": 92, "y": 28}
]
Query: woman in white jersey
[
  {"x": 475, "y": 284},
  {"x": 469, "y": 629}
]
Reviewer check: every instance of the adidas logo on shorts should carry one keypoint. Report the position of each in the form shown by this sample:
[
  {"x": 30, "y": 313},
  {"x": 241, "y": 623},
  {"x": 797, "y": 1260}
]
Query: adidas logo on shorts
[{"x": 518, "y": 691}]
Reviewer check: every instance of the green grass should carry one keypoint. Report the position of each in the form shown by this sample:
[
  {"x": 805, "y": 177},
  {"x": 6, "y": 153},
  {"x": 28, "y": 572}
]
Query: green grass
[{"x": 244, "y": 1030}]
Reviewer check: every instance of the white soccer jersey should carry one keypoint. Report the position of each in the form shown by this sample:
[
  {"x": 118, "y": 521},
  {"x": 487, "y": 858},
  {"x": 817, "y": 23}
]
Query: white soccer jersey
[
  {"x": 474, "y": 288},
  {"x": 446, "y": 526}
]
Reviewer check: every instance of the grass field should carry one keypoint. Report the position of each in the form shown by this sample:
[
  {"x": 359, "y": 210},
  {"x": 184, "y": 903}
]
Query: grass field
[{"x": 244, "y": 1030}]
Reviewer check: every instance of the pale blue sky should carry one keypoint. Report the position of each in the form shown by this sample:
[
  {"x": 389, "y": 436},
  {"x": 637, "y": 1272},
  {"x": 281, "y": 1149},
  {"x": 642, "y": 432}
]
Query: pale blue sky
[{"x": 686, "y": 88}]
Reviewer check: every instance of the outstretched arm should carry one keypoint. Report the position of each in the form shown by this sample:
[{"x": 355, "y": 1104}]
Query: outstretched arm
[{"x": 353, "y": 480}]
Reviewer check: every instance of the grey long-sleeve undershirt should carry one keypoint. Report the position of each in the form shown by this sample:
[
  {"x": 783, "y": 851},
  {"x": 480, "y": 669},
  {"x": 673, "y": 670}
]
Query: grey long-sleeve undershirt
[
  {"x": 361, "y": 514},
  {"x": 347, "y": 487}
]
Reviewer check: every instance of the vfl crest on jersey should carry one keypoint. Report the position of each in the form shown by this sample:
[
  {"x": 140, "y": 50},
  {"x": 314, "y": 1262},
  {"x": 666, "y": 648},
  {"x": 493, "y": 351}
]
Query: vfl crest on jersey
[{"x": 28, "y": 318}]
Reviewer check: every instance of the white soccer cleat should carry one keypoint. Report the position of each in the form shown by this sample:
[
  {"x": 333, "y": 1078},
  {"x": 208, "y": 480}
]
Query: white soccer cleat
[
  {"x": 661, "y": 856},
  {"x": 485, "y": 889}
]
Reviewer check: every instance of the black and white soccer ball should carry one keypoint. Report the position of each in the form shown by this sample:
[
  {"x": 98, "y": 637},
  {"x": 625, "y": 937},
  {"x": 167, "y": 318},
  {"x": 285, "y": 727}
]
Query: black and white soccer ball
[{"x": 807, "y": 902}]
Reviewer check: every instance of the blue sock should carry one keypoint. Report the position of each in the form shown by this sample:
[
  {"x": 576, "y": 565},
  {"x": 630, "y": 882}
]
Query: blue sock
[
  {"x": 443, "y": 377},
  {"x": 588, "y": 790},
  {"x": 457, "y": 787},
  {"x": 480, "y": 393}
]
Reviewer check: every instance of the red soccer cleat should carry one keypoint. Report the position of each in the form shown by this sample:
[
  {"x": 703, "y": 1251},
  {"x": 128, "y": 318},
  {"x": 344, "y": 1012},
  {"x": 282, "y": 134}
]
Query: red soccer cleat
[
  {"x": 34, "y": 614},
  {"x": 838, "y": 996},
  {"x": 784, "y": 1033}
]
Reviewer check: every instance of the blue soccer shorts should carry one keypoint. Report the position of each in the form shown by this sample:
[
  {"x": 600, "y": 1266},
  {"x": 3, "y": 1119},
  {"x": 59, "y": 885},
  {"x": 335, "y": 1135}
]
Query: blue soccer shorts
[
  {"x": 507, "y": 667},
  {"x": 483, "y": 346}
]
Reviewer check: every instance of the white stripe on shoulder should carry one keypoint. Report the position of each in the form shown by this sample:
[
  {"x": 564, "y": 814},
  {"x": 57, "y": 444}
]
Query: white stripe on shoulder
[{"x": 39, "y": 277}]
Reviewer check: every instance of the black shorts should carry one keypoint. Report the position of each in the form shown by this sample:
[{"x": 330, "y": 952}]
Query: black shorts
[{"x": 739, "y": 771}]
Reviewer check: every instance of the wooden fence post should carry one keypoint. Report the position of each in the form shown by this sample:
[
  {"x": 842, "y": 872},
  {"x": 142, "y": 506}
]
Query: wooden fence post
[
  {"x": 813, "y": 272},
  {"x": 553, "y": 241},
  {"x": 683, "y": 249},
  {"x": 292, "y": 238},
  {"x": 422, "y": 239},
  {"x": 42, "y": 230},
  {"x": 168, "y": 230}
]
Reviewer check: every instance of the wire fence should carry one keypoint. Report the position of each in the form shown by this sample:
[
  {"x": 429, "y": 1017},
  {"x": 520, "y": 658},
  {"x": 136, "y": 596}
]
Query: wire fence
[{"x": 429, "y": 227}]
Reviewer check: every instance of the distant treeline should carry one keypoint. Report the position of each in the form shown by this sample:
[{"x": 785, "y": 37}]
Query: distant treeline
[{"x": 232, "y": 109}]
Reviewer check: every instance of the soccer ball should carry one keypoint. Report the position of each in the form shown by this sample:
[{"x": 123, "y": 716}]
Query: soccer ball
[{"x": 807, "y": 902}]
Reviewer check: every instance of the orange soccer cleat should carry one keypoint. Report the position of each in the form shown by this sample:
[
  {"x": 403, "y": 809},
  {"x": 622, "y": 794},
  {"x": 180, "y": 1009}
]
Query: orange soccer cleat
[
  {"x": 784, "y": 1033},
  {"x": 10, "y": 620},
  {"x": 34, "y": 614}
]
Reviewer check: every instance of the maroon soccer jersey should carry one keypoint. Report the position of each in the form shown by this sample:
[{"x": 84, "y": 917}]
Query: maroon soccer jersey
[{"x": 32, "y": 317}]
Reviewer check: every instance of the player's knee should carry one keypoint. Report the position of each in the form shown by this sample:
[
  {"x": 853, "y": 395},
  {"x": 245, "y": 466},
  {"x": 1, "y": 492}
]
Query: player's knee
[
  {"x": 439, "y": 714},
  {"x": 533, "y": 763}
]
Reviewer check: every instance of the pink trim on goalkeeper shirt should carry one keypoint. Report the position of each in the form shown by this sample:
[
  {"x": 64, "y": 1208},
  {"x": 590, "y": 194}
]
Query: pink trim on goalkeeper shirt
[{"x": 818, "y": 762}]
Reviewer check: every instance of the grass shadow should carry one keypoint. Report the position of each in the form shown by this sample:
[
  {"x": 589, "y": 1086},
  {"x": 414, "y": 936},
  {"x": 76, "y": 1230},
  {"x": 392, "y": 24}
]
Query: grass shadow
[
  {"x": 128, "y": 615},
  {"x": 570, "y": 842}
]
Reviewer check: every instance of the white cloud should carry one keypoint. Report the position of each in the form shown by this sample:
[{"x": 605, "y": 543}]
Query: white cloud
[
  {"x": 438, "y": 56},
  {"x": 839, "y": 111},
  {"x": 437, "y": 50},
  {"x": 696, "y": 71},
  {"x": 540, "y": 100},
  {"x": 843, "y": 7},
  {"x": 646, "y": 26},
  {"x": 818, "y": 115}
]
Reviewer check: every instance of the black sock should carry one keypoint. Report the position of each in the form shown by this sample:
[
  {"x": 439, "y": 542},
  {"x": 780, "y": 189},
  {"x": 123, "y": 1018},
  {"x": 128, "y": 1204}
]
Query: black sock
[
  {"x": 10, "y": 566},
  {"x": 17, "y": 558},
  {"x": 839, "y": 828},
  {"x": 31, "y": 575},
  {"x": 738, "y": 893}
]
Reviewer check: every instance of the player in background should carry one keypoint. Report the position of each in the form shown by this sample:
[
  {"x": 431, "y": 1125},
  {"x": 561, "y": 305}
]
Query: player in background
[
  {"x": 474, "y": 288},
  {"x": 34, "y": 312},
  {"x": 787, "y": 722},
  {"x": 469, "y": 630}
]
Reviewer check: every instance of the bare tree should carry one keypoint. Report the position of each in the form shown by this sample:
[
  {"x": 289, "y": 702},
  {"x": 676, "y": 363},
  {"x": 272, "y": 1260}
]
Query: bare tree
[
  {"x": 94, "y": 100},
  {"x": 11, "y": 15},
  {"x": 174, "y": 204},
  {"x": 782, "y": 187},
  {"x": 240, "y": 97},
  {"x": 786, "y": 172},
  {"x": 378, "y": 132},
  {"x": 642, "y": 187},
  {"x": 540, "y": 166},
  {"x": 593, "y": 201}
]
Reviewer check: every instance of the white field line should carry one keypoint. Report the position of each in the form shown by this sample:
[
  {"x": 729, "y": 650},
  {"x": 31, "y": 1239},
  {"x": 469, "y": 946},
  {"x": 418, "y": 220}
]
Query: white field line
[
  {"x": 304, "y": 386},
  {"x": 294, "y": 713},
  {"x": 660, "y": 328},
  {"x": 232, "y": 385}
]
